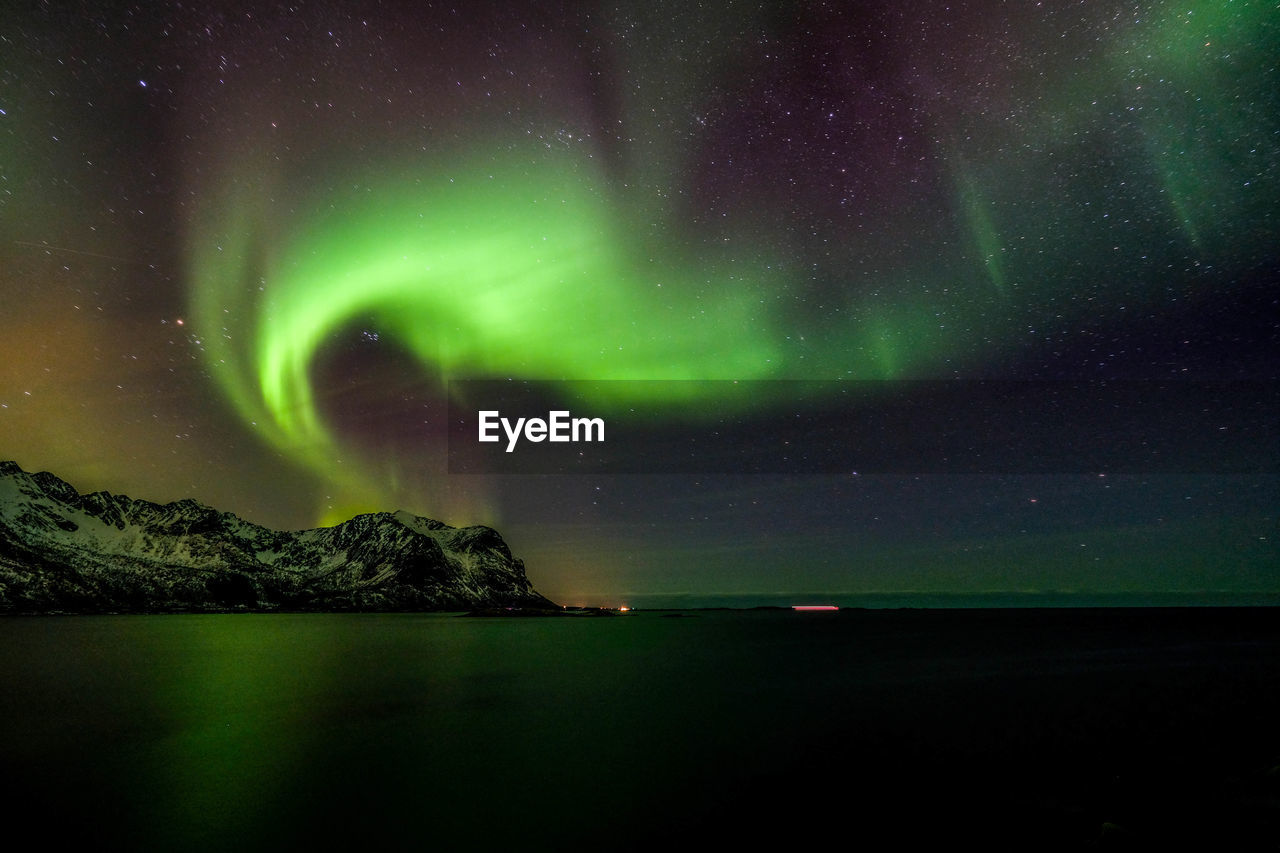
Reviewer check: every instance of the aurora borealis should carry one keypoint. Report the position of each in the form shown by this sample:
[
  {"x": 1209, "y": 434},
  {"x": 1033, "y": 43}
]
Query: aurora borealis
[{"x": 247, "y": 249}]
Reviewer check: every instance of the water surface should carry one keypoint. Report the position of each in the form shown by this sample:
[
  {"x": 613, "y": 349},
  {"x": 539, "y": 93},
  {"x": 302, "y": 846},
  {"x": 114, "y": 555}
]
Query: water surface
[{"x": 280, "y": 731}]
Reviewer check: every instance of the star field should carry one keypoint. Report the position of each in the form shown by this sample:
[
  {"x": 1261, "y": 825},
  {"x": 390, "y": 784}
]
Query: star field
[{"x": 247, "y": 247}]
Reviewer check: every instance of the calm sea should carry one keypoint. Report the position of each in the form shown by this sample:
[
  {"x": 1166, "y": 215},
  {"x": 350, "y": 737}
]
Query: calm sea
[{"x": 235, "y": 732}]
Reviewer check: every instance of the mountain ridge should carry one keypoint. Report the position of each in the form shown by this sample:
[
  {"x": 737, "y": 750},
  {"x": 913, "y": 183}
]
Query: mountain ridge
[{"x": 63, "y": 551}]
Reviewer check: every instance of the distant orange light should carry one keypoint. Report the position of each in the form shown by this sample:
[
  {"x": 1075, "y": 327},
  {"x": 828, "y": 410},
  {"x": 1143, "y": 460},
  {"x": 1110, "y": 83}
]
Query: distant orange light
[
  {"x": 814, "y": 607},
  {"x": 624, "y": 608}
]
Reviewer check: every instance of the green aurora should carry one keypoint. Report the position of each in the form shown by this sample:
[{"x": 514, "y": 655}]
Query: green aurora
[{"x": 507, "y": 262}]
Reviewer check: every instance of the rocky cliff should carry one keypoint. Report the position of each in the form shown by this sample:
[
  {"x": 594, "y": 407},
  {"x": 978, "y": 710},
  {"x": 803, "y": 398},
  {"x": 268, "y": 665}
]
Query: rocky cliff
[{"x": 64, "y": 551}]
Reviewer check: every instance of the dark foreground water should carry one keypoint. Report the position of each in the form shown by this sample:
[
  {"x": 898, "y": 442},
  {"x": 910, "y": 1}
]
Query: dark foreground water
[{"x": 1017, "y": 728}]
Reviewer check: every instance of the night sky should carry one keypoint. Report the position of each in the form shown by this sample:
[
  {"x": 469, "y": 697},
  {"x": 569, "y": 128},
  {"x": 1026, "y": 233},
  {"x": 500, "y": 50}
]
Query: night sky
[{"x": 246, "y": 248}]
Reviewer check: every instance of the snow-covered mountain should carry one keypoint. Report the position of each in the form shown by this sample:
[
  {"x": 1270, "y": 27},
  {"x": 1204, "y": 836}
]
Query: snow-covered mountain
[{"x": 64, "y": 551}]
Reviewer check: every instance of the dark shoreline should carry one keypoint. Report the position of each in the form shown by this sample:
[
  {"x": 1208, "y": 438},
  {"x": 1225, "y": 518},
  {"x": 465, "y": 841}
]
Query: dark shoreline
[{"x": 524, "y": 612}]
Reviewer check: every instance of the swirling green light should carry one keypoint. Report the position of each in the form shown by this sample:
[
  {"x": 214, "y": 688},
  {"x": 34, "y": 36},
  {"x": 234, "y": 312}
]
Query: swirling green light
[
  {"x": 511, "y": 262},
  {"x": 491, "y": 268}
]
